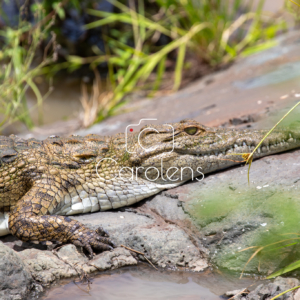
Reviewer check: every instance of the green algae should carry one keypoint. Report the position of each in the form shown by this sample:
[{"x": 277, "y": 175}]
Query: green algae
[{"x": 243, "y": 217}]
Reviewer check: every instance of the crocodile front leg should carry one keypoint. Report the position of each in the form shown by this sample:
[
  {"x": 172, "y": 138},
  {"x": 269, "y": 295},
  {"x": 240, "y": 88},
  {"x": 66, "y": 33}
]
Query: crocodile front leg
[{"x": 32, "y": 220}]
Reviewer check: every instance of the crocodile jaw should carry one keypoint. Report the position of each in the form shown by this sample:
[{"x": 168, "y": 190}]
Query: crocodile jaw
[{"x": 216, "y": 150}]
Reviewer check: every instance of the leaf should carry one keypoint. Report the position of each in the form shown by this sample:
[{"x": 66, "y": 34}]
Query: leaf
[
  {"x": 60, "y": 11},
  {"x": 259, "y": 47},
  {"x": 160, "y": 72},
  {"x": 125, "y": 18},
  {"x": 293, "y": 266},
  {"x": 294, "y": 2},
  {"x": 179, "y": 66}
]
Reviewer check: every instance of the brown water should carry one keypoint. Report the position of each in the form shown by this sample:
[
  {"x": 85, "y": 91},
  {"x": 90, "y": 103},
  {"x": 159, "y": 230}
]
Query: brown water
[
  {"x": 145, "y": 283},
  {"x": 63, "y": 103}
]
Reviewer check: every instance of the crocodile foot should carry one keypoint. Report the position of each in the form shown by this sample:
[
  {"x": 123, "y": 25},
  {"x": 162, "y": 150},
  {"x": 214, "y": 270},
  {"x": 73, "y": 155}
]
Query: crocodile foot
[{"x": 91, "y": 239}]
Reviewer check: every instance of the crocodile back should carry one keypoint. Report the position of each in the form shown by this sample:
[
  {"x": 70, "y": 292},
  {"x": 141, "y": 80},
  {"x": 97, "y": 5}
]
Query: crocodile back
[{"x": 13, "y": 183}]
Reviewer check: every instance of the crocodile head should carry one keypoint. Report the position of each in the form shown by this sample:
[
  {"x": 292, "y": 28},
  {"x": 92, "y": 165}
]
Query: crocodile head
[{"x": 177, "y": 152}]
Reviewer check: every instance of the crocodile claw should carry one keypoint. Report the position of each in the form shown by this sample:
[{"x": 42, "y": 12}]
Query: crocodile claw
[
  {"x": 102, "y": 231},
  {"x": 93, "y": 239}
]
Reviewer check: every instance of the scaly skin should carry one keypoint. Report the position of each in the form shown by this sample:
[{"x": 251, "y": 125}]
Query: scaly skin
[{"x": 43, "y": 181}]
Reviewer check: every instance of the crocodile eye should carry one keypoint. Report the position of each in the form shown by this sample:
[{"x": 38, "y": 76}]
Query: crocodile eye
[
  {"x": 191, "y": 130},
  {"x": 8, "y": 156},
  {"x": 84, "y": 156}
]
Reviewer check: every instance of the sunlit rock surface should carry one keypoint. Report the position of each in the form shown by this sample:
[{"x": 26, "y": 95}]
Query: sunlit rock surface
[
  {"x": 47, "y": 266},
  {"x": 16, "y": 280}
]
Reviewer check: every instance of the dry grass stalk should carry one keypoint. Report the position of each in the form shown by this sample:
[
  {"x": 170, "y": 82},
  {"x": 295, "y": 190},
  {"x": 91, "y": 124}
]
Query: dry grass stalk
[
  {"x": 141, "y": 253},
  {"x": 92, "y": 104}
]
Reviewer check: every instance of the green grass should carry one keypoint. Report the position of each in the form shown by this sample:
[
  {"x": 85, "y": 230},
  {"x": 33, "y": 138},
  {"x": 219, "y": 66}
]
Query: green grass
[
  {"x": 20, "y": 66},
  {"x": 196, "y": 33},
  {"x": 213, "y": 32}
]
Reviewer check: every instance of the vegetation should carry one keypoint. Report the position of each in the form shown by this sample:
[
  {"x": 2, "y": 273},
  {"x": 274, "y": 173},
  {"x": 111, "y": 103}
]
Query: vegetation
[
  {"x": 143, "y": 44},
  {"x": 20, "y": 65},
  {"x": 291, "y": 239},
  {"x": 174, "y": 36},
  {"x": 208, "y": 32},
  {"x": 274, "y": 243}
]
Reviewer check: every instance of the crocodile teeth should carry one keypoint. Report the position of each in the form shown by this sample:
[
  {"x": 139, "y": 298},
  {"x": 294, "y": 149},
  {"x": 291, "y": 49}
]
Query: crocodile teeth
[
  {"x": 235, "y": 146},
  {"x": 244, "y": 144},
  {"x": 258, "y": 150},
  {"x": 290, "y": 135},
  {"x": 268, "y": 148}
]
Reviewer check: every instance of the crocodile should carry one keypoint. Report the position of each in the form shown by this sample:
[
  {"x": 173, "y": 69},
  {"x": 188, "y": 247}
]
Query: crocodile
[{"x": 42, "y": 183}]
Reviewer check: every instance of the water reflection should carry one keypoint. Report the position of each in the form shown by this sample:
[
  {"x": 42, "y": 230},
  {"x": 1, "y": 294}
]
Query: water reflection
[{"x": 145, "y": 283}]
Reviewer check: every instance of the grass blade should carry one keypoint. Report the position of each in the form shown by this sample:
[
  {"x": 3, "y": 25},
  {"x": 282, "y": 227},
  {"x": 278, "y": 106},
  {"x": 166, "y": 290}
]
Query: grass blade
[
  {"x": 291, "y": 267},
  {"x": 179, "y": 66},
  {"x": 296, "y": 287},
  {"x": 251, "y": 257}
]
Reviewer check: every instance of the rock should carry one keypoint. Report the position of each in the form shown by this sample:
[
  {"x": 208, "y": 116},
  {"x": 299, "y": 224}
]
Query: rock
[
  {"x": 47, "y": 267},
  {"x": 297, "y": 295},
  {"x": 235, "y": 292},
  {"x": 150, "y": 229},
  {"x": 111, "y": 260},
  {"x": 16, "y": 281},
  {"x": 270, "y": 290}
]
